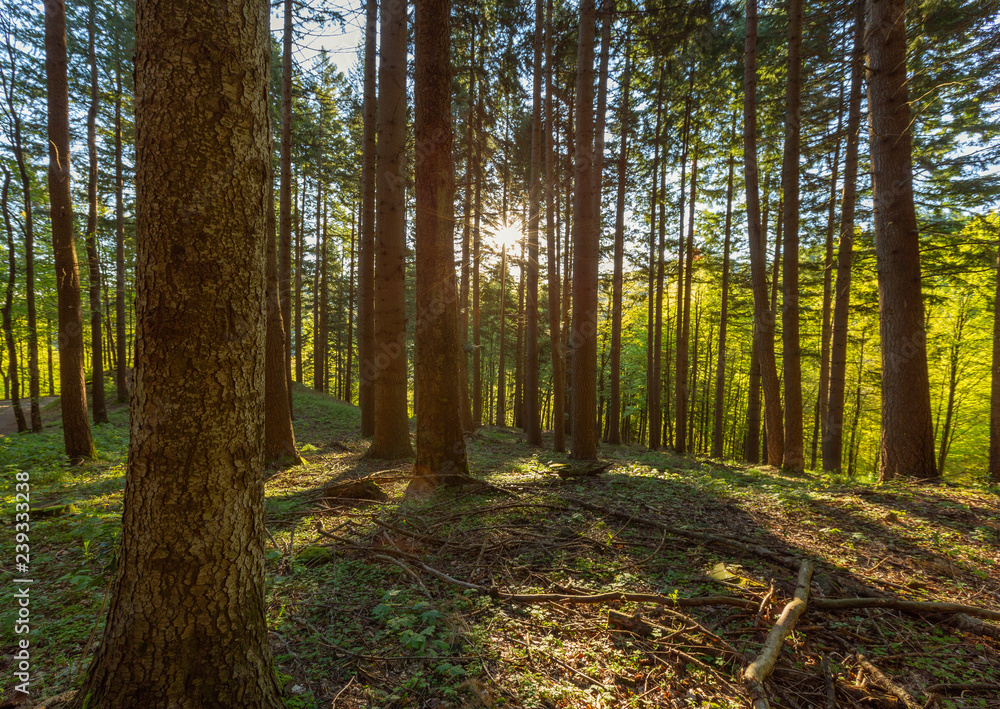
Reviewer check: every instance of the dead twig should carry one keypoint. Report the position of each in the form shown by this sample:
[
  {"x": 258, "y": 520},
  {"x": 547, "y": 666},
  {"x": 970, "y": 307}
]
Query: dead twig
[{"x": 886, "y": 683}]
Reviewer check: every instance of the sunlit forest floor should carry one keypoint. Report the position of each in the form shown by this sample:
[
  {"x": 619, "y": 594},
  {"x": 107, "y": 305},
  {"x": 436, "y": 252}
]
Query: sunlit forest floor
[{"x": 485, "y": 596}]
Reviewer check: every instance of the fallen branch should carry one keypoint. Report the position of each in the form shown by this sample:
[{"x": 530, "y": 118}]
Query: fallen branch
[
  {"x": 886, "y": 683},
  {"x": 761, "y": 668},
  {"x": 973, "y": 625},
  {"x": 833, "y": 604}
]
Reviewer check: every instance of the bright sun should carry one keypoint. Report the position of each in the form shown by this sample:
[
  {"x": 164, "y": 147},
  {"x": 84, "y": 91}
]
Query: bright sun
[{"x": 507, "y": 235}]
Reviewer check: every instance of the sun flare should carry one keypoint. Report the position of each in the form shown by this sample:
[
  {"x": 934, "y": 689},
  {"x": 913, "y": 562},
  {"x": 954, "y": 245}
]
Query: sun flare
[{"x": 506, "y": 235}]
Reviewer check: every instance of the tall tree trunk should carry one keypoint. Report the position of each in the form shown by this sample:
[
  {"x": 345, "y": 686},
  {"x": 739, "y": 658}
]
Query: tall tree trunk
[
  {"x": 532, "y": 425},
  {"x": 349, "y": 366},
  {"x": 683, "y": 392},
  {"x": 655, "y": 311},
  {"x": 793, "y": 450},
  {"x": 586, "y": 249},
  {"x": 319, "y": 329},
  {"x": 907, "y": 448},
  {"x": 93, "y": 259},
  {"x": 763, "y": 315},
  {"x": 187, "y": 623},
  {"x": 822, "y": 400},
  {"x": 440, "y": 442},
  {"x": 285, "y": 197},
  {"x": 519, "y": 359},
  {"x": 954, "y": 362},
  {"x": 677, "y": 442},
  {"x": 300, "y": 237},
  {"x": 467, "y": 420},
  {"x": 477, "y": 354},
  {"x": 392, "y": 436},
  {"x": 833, "y": 436},
  {"x": 502, "y": 369},
  {"x": 121, "y": 364},
  {"x": 994, "y": 471},
  {"x": 279, "y": 436},
  {"x": 8, "y": 329},
  {"x": 615, "y": 398},
  {"x": 720, "y": 367},
  {"x": 366, "y": 239},
  {"x": 72, "y": 385},
  {"x": 552, "y": 244}
]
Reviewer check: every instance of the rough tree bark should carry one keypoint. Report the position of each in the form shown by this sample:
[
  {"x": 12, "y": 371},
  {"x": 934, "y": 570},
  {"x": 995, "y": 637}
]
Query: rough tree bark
[
  {"x": 440, "y": 441},
  {"x": 186, "y": 623},
  {"x": 763, "y": 315},
  {"x": 586, "y": 249},
  {"x": 73, "y": 388},
  {"x": 793, "y": 455},
  {"x": 833, "y": 435},
  {"x": 366, "y": 238},
  {"x": 391, "y": 439},
  {"x": 100, "y": 412},
  {"x": 615, "y": 402},
  {"x": 551, "y": 242},
  {"x": 907, "y": 446}
]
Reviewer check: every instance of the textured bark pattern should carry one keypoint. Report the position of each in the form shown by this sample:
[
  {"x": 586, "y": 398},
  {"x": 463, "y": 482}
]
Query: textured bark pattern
[
  {"x": 792, "y": 450},
  {"x": 392, "y": 435},
  {"x": 186, "y": 626},
  {"x": 586, "y": 250},
  {"x": 73, "y": 388},
  {"x": 532, "y": 423},
  {"x": 833, "y": 431},
  {"x": 763, "y": 315},
  {"x": 440, "y": 440},
  {"x": 551, "y": 242},
  {"x": 907, "y": 448},
  {"x": 615, "y": 402},
  {"x": 366, "y": 240},
  {"x": 93, "y": 260}
]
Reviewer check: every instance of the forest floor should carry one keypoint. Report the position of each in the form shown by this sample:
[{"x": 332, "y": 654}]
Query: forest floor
[{"x": 652, "y": 584}]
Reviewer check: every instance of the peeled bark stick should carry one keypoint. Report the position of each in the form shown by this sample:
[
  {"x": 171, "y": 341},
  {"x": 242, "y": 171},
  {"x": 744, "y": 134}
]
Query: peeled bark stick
[
  {"x": 761, "y": 668},
  {"x": 887, "y": 684},
  {"x": 833, "y": 604}
]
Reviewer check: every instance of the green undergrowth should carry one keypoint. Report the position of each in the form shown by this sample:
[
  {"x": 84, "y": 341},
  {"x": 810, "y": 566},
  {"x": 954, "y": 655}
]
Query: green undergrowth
[{"x": 354, "y": 618}]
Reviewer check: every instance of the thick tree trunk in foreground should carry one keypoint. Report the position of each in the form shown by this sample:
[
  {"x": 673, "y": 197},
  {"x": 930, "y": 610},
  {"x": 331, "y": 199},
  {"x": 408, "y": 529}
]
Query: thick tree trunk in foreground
[
  {"x": 763, "y": 315},
  {"x": 73, "y": 388},
  {"x": 793, "y": 455},
  {"x": 833, "y": 436},
  {"x": 440, "y": 441},
  {"x": 551, "y": 243},
  {"x": 186, "y": 623},
  {"x": 586, "y": 250},
  {"x": 366, "y": 237},
  {"x": 392, "y": 434},
  {"x": 907, "y": 448},
  {"x": 93, "y": 260}
]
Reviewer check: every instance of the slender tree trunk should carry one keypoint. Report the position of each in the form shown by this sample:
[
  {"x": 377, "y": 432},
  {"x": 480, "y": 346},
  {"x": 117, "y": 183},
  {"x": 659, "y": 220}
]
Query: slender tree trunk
[
  {"x": 655, "y": 339},
  {"x": 502, "y": 370},
  {"x": 586, "y": 249},
  {"x": 833, "y": 433},
  {"x": 440, "y": 442},
  {"x": 320, "y": 326},
  {"x": 187, "y": 623},
  {"x": 366, "y": 239},
  {"x": 763, "y": 315},
  {"x": 121, "y": 365},
  {"x": 300, "y": 237},
  {"x": 793, "y": 450},
  {"x": 907, "y": 448},
  {"x": 72, "y": 384},
  {"x": 467, "y": 420},
  {"x": 532, "y": 425},
  {"x": 615, "y": 398},
  {"x": 552, "y": 243},
  {"x": 683, "y": 392},
  {"x": 954, "y": 358},
  {"x": 279, "y": 436},
  {"x": 100, "y": 412},
  {"x": 994, "y": 384},
  {"x": 477, "y": 369},
  {"x": 519, "y": 359},
  {"x": 720, "y": 367},
  {"x": 392, "y": 437},
  {"x": 349, "y": 366},
  {"x": 8, "y": 329}
]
